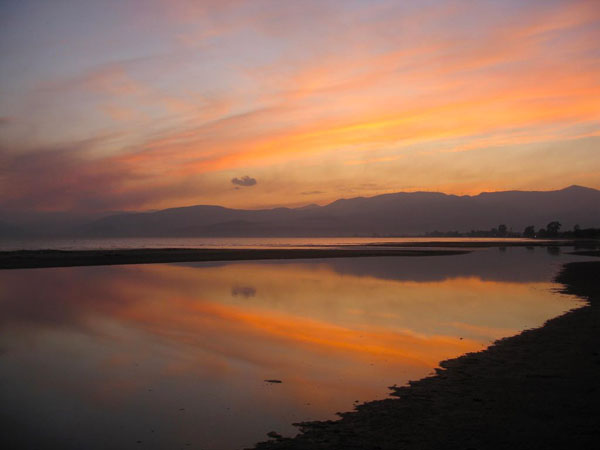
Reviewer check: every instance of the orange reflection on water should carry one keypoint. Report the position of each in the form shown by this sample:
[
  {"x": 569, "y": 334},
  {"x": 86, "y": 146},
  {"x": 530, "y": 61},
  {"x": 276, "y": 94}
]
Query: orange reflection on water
[{"x": 217, "y": 331}]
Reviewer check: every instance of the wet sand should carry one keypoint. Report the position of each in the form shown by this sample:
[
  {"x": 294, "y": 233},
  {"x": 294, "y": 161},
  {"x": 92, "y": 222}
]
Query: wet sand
[
  {"x": 537, "y": 390},
  {"x": 25, "y": 259}
]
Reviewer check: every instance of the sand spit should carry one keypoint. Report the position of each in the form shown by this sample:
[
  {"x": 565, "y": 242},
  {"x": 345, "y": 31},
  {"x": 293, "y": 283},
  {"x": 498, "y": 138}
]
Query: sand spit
[
  {"x": 537, "y": 390},
  {"x": 26, "y": 259}
]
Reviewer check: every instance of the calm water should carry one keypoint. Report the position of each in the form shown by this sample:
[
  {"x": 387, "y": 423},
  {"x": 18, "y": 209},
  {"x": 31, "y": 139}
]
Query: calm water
[
  {"x": 175, "y": 355},
  {"x": 122, "y": 243}
]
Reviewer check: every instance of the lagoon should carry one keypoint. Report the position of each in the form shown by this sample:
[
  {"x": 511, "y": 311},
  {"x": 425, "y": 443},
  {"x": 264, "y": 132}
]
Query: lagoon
[{"x": 176, "y": 355}]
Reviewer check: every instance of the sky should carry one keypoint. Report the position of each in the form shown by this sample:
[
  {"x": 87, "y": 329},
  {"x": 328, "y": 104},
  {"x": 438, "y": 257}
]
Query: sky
[{"x": 137, "y": 105}]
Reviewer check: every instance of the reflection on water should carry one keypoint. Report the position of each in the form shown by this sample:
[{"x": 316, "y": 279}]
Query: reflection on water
[{"x": 169, "y": 355}]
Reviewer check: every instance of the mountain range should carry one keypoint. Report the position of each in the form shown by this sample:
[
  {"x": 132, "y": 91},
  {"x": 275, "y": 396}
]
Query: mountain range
[{"x": 402, "y": 213}]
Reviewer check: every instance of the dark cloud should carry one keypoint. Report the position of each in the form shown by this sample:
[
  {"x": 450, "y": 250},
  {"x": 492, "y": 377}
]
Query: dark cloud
[{"x": 244, "y": 181}]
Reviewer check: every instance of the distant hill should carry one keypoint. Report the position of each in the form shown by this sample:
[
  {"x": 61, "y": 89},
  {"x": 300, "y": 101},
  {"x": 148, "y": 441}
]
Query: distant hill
[
  {"x": 7, "y": 229},
  {"x": 33, "y": 223},
  {"x": 401, "y": 213}
]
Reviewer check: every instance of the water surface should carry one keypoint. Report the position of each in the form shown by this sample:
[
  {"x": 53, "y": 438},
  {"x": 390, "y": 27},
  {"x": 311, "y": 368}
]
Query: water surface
[{"x": 175, "y": 355}]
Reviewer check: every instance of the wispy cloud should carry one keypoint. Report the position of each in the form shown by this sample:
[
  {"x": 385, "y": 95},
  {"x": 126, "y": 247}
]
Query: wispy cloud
[{"x": 370, "y": 90}]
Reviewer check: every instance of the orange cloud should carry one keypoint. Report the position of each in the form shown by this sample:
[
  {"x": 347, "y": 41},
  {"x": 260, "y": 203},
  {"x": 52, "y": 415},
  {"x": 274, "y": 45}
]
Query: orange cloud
[{"x": 384, "y": 95}]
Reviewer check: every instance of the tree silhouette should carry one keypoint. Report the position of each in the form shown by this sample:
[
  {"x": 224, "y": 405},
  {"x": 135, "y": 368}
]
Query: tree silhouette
[
  {"x": 552, "y": 228},
  {"x": 502, "y": 230},
  {"x": 529, "y": 232}
]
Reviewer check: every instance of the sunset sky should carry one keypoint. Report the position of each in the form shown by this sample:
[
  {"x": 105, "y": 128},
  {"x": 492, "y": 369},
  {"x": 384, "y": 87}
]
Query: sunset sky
[{"x": 134, "y": 105}]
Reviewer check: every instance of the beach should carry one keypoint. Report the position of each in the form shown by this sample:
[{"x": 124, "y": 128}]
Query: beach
[{"x": 538, "y": 389}]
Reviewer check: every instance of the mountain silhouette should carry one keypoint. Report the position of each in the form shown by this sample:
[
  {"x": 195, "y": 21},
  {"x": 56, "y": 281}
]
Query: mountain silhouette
[{"x": 403, "y": 213}]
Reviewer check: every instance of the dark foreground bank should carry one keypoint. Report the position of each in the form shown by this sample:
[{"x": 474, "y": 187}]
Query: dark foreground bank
[
  {"x": 537, "y": 390},
  {"x": 25, "y": 259}
]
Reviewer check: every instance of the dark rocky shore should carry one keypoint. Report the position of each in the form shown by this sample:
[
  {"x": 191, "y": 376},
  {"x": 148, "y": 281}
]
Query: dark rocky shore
[{"x": 537, "y": 390}]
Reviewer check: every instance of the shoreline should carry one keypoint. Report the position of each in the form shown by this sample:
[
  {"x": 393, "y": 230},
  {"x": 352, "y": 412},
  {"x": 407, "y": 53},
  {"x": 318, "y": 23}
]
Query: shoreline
[
  {"x": 582, "y": 243},
  {"x": 31, "y": 259},
  {"x": 538, "y": 389}
]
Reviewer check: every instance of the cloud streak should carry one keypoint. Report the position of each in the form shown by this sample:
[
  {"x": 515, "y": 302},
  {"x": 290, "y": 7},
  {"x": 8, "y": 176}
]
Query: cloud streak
[{"x": 362, "y": 95}]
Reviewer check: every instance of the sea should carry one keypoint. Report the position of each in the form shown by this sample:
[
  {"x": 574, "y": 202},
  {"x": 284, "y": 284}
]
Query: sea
[{"x": 215, "y": 355}]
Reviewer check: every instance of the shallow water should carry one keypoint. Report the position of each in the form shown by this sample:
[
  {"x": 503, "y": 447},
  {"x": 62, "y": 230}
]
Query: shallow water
[{"x": 175, "y": 355}]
